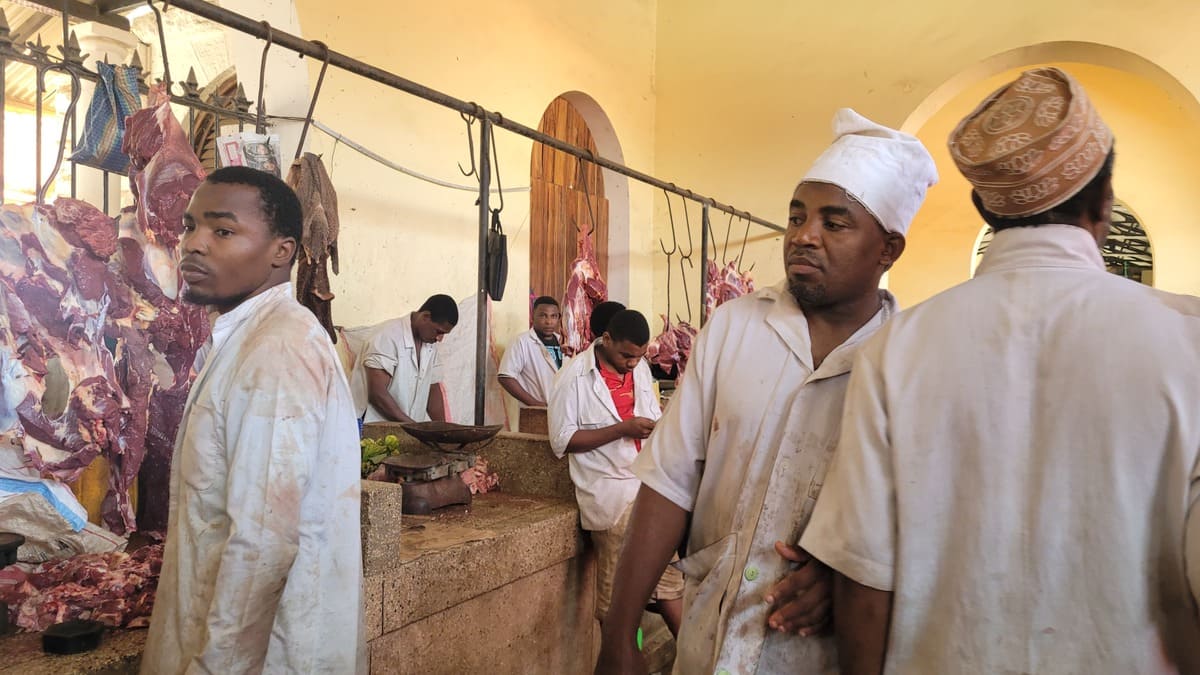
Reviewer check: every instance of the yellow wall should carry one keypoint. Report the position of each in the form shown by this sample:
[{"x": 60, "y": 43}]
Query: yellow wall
[
  {"x": 746, "y": 92},
  {"x": 403, "y": 239}
]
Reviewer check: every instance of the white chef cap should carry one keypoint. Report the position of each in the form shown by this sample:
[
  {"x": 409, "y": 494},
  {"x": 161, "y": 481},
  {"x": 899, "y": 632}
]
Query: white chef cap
[{"x": 885, "y": 170}]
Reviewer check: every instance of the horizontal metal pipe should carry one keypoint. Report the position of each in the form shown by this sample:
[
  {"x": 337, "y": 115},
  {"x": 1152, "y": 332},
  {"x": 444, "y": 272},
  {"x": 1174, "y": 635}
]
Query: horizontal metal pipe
[
  {"x": 199, "y": 104},
  {"x": 308, "y": 48}
]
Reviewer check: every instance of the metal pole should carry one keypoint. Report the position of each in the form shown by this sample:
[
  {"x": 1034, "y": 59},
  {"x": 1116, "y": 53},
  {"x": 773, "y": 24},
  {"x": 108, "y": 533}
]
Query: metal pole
[
  {"x": 481, "y": 327},
  {"x": 3, "y": 67},
  {"x": 308, "y": 48},
  {"x": 37, "y": 188},
  {"x": 704, "y": 225}
]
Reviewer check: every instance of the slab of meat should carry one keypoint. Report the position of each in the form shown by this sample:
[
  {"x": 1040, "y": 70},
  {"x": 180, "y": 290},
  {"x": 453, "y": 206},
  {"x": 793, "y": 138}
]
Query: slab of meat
[
  {"x": 585, "y": 290},
  {"x": 115, "y": 589},
  {"x": 163, "y": 169},
  {"x": 724, "y": 284},
  {"x": 671, "y": 348},
  {"x": 95, "y": 348},
  {"x": 319, "y": 243}
]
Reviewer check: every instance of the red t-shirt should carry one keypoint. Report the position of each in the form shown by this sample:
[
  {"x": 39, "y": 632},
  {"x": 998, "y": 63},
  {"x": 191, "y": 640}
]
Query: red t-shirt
[{"x": 621, "y": 389}]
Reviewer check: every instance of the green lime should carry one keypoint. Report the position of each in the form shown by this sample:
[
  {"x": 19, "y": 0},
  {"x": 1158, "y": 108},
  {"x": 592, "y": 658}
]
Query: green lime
[{"x": 639, "y": 638}]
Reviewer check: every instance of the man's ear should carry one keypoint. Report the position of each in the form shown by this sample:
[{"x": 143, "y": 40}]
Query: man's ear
[
  {"x": 893, "y": 248},
  {"x": 285, "y": 252}
]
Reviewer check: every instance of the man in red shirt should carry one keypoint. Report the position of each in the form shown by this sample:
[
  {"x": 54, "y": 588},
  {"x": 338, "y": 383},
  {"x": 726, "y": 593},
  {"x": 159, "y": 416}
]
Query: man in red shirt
[{"x": 602, "y": 407}]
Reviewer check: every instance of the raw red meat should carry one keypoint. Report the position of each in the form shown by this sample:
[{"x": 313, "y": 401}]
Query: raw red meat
[
  {"x": 724, "y": 284},
  {"x": 479, "y": 478},
  {"x": 94, "y": 298},
  {"x": 115, "y": 589},
  {"x": 671, "y": 349},
  {"x": 163, "y": 169},
  {"x": 585, "y": 290}
]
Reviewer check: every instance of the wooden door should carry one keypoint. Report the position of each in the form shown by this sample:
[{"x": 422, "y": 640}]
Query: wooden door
[{"x": 563, "y": 200}]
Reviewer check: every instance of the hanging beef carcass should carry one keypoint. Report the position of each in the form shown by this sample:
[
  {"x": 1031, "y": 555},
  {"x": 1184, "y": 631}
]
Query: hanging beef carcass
[
  {"x": 163, "y": 169},
  {"x": 96, "y": 348},
  {"x": 672, "y": 347},
  {"x": 319, "y": 242},
  {"x": 164, "y": 172},
  {"x": 724, "y": 284},
  {"x": 585, "y": 290}
]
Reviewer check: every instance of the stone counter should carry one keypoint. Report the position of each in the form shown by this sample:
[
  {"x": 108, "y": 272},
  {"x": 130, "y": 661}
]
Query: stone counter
[{"x": 504, "y": 585}]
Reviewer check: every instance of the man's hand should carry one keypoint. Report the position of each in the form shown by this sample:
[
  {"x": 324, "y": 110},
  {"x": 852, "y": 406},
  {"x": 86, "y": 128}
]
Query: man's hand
[
  {"x": 801, "y": 601},
  {"x": 637, "y": 427},
  {"x": 620, "y": 657}
]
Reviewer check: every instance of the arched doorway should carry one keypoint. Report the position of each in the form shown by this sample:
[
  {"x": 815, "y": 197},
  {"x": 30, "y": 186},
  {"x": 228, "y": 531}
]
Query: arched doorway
[
  {"x": 1156, "y": 123},
  {"x": 565, "y": 197}
]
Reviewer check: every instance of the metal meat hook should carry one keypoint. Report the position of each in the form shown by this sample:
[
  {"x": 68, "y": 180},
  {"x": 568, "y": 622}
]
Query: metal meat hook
[
  {"x": 62, "y": 139},
  {"x": 260, "y": 125},
  {"x": 586, "y": 196},
  {"x": 743, "y": 251},
  {"x": 674, "y": 240},
  {"x": 162, "y": 43},
  {"x": 725, "y": 250},
  {"x": 312, "y": 105},
  {"x": 470, "y": 120}
]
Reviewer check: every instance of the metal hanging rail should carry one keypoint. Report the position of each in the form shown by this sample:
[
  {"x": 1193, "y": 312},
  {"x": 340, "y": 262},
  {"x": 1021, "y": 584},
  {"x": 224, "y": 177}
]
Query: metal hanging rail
[
  {"x": 260, "y": 30},
  {"x": 264, "y": 31}
]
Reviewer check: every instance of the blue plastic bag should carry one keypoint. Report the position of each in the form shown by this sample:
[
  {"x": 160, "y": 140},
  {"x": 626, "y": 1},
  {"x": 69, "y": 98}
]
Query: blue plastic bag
[{"x": 115, "y": 99}]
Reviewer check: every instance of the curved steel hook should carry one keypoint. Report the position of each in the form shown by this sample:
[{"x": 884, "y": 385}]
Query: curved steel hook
[
  {"x": 743, "y": 251},
  {"x": 312, "y": 105},
  {"x": 691, "y": 246},
  {"x": 162, "y": 42},
  {"x": 725, "y": 250},
  {"x": 496, "y": 171},
  {"x": 587, "y": 196},
  {"x": 687, "y": 298},
  {"x": 674, "y": 241},
  {"x": 470, "y": 120},
  {"x": 260, "y": 125},
  {"x": 62, "y": 139}
]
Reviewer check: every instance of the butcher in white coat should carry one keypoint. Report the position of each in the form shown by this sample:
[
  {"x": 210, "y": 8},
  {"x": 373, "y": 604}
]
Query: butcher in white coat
[
  {"x": 533, "y": 359},
  {"x": 1016, "y": 486},
  {"x": 262, "y": 568},
  {"x": 745, "y": 441}
]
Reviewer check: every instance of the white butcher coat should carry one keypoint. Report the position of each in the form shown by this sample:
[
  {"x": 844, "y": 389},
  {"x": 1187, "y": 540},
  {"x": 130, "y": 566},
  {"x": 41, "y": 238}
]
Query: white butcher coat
[
  {"x": 744, "y": 445},
  {"x": 529, "y": 363},
  {"x": 1019, "y": 466},
  {"x": 393, "y": 349},
  {"x": 581, "y": 401},
  {"x": 262, "y": 569}
]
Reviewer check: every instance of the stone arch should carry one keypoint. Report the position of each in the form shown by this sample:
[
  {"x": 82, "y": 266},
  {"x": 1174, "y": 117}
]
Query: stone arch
[{"x": 1156, "y": 120}]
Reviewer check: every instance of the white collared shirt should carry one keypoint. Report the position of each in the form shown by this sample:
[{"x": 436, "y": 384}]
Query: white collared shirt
[
  {"x": 744, "y": 445},
  {"x": 393, "y": 349},
  {"x": 263, "y": 555},
  {"x": 581, "y": 401},
  {"x": 1019, "y": 467},
  {"x": 529, "y": 363}
]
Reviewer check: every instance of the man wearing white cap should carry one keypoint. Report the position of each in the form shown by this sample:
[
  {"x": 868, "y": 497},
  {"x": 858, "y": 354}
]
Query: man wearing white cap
[
  {"x": 1015, "y": 486},
  {"x": 744, "y": 444}
]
